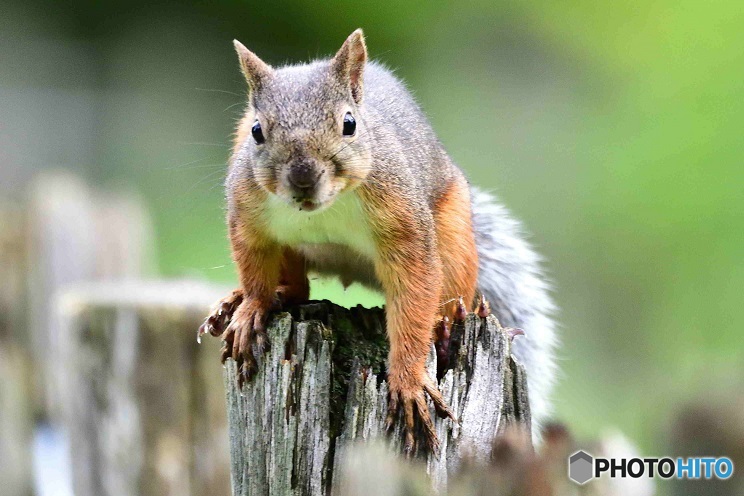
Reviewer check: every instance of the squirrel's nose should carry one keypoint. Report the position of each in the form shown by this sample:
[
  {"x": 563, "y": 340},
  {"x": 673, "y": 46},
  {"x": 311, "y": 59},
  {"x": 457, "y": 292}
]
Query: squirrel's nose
[{"x": 302, "y": 176}]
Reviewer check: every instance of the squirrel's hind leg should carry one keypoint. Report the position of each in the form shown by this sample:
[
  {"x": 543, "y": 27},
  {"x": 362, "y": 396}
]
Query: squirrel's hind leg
[
  {"x": 456, "y": 247},
  {"x": 459, "y": 259}
]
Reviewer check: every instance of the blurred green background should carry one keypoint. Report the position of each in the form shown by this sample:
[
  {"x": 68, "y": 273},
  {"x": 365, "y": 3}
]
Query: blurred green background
[{"x": 612, "y": 129}]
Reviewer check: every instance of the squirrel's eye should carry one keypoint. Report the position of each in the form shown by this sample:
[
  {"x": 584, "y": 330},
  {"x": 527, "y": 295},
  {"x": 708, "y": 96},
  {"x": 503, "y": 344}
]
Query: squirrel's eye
[
  {"x": 257, "y": 133},
  {"x": 349, "y": 124}
]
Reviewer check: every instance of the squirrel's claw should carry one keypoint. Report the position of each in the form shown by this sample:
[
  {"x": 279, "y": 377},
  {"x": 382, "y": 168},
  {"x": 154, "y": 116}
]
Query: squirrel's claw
[
  {"x": 460, "y": 311},
  {"x": 409, "y": 444},
  {"x": 414, "y": 406},
  {"x": 248, "y": 342},
  {"x": 225, "y": 351},
  {"x": 441, "y": 407},
  {"x": 240, "y": 324},
  {"x": 512, "y": 332},
  {"x": 442, "y": 345},
  {"x": 248, "y": 352},
  {"x": 432, "y": 442},
  {"x": 484, "y": 309},
  {"x": 443, "y": 336},
  {"x": 392, "y": 411},
  {"x": 247, "y": 369},
  {"x": 216, "y": 322}
]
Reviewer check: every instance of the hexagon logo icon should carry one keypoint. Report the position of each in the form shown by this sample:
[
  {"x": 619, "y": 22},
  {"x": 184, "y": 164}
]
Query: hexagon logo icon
[{"x": 580, "y": 467}]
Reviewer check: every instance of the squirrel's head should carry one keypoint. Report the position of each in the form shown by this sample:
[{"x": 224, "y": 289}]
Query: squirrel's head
[{"x": 303, "y": 134}]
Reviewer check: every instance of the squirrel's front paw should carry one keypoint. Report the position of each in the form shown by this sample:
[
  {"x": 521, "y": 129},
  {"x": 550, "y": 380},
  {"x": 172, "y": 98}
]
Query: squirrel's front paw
[
  {"x": 411, "y": 400},
  {"x": 221, "y": 314},
  {"x": 245, "y": 339}
]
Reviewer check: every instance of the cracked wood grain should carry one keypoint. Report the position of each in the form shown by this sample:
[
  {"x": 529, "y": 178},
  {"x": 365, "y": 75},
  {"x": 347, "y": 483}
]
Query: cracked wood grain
[{"x": 321, "y": 390}]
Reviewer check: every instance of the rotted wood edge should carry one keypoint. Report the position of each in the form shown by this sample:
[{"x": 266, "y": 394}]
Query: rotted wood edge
[{"x": 321, "y": 389}]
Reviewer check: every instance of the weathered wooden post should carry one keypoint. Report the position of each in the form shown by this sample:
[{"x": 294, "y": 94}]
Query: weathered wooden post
[
  {"x": 321, "y": 389},
  {"x": 16, "y": 405},
  {"x": 61, "y": 231},
  {"x": 75, "y": 233},
  {"x": 145, "y": 411}
]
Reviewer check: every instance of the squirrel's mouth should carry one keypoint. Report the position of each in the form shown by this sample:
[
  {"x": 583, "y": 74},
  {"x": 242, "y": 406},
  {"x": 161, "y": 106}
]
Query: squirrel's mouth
[
  {"x": 306, "y": 199},
  {"x": 309, "y": 205}
]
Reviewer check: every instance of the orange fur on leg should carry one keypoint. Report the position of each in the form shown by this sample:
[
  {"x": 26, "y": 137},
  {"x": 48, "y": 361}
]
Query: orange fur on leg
[
  {"x": 258, "y": 260},
  {"x": 409, "y": 271},
  {"x": 456, "y": 246},
  {"x": 408, "y": 268}
]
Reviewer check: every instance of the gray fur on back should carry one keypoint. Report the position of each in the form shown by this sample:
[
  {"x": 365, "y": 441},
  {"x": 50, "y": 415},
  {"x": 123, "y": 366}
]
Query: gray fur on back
[{"x": 510, "y": 277}]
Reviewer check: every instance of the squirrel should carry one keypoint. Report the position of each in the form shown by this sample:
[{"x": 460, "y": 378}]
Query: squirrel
[{"x": 335, "y": 169}]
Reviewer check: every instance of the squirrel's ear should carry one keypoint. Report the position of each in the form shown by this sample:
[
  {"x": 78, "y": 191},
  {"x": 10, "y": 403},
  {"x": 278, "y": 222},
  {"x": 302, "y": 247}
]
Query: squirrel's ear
[
  {"x": 348, "y": 64},
  {"x": 254, "y": 69}
]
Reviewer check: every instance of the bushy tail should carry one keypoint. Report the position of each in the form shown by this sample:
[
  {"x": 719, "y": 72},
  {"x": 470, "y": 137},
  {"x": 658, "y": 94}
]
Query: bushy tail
[{"x": 510, "y": 277}]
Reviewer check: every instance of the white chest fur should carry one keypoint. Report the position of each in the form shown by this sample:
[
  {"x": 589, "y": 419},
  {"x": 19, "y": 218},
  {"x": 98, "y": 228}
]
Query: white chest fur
[{"x": 342, "y": 223}]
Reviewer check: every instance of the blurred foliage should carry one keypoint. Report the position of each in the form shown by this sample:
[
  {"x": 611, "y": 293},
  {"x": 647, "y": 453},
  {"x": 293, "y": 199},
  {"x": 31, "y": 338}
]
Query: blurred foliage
[{"x": 613, "y": 129}]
